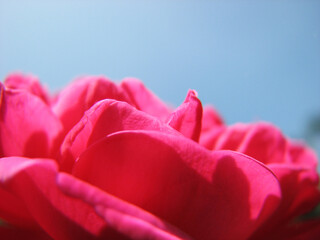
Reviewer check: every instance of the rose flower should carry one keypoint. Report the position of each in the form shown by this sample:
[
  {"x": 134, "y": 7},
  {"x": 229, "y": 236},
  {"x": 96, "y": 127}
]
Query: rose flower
[{"x": 102, "y": 160}]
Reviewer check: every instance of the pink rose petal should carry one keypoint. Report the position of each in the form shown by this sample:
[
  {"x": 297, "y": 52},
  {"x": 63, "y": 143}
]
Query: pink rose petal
[
  {"x": 27, "y": 125},
  {"x": 176, "y": 179},
  {"x": 105, "y": 117},
  {"x": 28, "y": 83},
  {"x": 33, "y": 181},
  {"x": 187, "y": 118},
  {"x": 145, "y": 100},
  {"x": 126, "y": 218},
  {"x": 80, "y": 95}
]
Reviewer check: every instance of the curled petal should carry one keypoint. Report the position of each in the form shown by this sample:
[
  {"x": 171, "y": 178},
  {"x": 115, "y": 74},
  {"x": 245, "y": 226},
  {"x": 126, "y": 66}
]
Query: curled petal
[
  {"x": 187, "y": 118},
  {"x": 105, "y": 117},
  {"x": 145, "y": 100},
  {"x": 176, "y": 179},
  {"x": 75, "y": 99}
]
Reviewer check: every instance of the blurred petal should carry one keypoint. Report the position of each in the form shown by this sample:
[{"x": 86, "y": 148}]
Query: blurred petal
[
  {"x": 26, "y": 82},
  {"x": 265, "y": 143},
  {"x": 231, "y": 137},
  {"x": 27, "y": 125},
  {"x": 177, "y": 180},
  {"x": 34, "y": 182},
  {"x": 261, "y": 141},
  {"x": 145, "y": 100},
  {"x": 105, "y": 117},
  {"x": 11, "y": 233},
  {"x": 302, "y": 155},
  {"x": 210, "y": 119},
  {"x": 300, "y": 194},
  {"x": 299, "y": 189},
  {"x": 187, "y": 118},
  {"x": 80, "y": 95},
  {"x": 13, "y": 210},
  {"x": 126, "y": 218},
  {"x": 212, "y": 125}
]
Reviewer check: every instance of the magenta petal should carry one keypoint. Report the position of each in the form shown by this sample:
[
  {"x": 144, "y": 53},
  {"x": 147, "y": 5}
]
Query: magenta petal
[
  {"x": 80, "y": 95},
  {"x": 13, "y": 210},
  {"x": 210, "y": 119},
  {"x": 28, "y": 83},
  {"x": 27, "y": 125},
  {"x": 302, "y": 155},
  {"x": 124, "y": 217},
  {"x": 177, "y": 180},
  {"x": 105, "y": 117},
  {"x": 261, "y": 141},
  {"x": 145, "y": 100},
  {"x": 187, "y": 118},
  {"x": 265, "y": 143},
  {"x": 299, "y": 189},
  {"x": 33, "y": 181}
]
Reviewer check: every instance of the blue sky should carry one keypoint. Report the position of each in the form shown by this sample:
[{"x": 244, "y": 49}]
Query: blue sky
[{"x": 252, "y": 60}]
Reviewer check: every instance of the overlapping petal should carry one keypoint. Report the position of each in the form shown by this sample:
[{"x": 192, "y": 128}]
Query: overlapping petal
[
  {"x": 105, "y": 117},
  {"x": 33, "y": 181},
  {"x": 74, "y": 100},
  {"x": 293, "y": 164},
  {"x": 27, "y": 125},
  {"x": 145, "y": 100},
  {"x": 28, "y": 83},
  {"x": 179, "y": 181},
  {"x": 126, "y": 218}
]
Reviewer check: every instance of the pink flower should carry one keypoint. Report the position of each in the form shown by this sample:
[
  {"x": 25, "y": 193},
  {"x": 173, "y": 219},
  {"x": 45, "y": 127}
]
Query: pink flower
[{"x": 111, "y": 161}]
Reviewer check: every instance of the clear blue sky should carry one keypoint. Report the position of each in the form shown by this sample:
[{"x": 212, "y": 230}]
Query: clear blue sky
[{"x": 253, "y": 60}]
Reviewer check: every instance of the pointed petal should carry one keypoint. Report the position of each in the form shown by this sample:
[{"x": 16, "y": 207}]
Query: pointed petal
[
  {"x": 80, "y": 95},
  {"x": 105, "y": 117},
  {"x": 181, "y": 182},
  {"x": 187, "y": 118},
  {"x": 145, "y": 100},
  {"x": 27, "y": 125}
]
